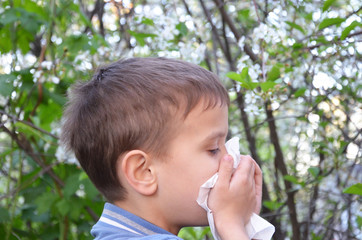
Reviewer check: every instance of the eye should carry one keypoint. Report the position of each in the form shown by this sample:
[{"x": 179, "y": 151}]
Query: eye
[{"x": 214, "y": 151}]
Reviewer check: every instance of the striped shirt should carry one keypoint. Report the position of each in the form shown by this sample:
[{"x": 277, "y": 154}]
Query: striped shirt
[{"x": 117, "y": 223}]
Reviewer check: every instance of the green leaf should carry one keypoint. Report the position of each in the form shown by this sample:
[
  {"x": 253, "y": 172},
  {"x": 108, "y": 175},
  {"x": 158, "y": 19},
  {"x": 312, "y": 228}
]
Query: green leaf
[
  {"x": 297, "y": 46},
  {"x": 327, "y": 4},
  {"x": 323, "y": 124},
  {"x": 6, "y": 84},
  {"x": 76, "y": 8},
  {"x": 147, "y": 21},
  {"x": 308, "y": 16},
  {"x": 354, "y": 189},
  {"x": 83, "y": 176},
  {"x": 29, "y": 21},
  {"x": 245, "y": 74},
  {"x": 322, "y": 39},
  {"x": 6, "y": 44},
  {"x": 314, "y": 171},
  {"x": 243, "y": 78},
  {"x": 76, "y": 209},
  {"x": 303, "y": 119},
  {"x": 342, "y": 148},
  {"x": 253, "y": 85},
  {"x": 76, "y": 43},
  {"x": 33, "y": 7},
  {"x": 244, "y": 17},
  {"x": 296, "y": 26},
  {"x": 71, "y": 185},
  {"x": 246, "y": 80},
  {"x": 57, "y": 98},
  {"x": 300, "y": 92},
  {"x": 45, "y": 201},
  {"x": 291, "y": 179},
  {"x": 23, "y": 40},
  {"x": 4, "y": 215},
  {"x": 330, "y": 21},
  {"x": 140, "y": 37},
  {"x": 89, "y": 189},
  {"x": 30, "y": 131},
  {"x": 234, "y": 76},
  {"x": 9, "y": 16},
  {"x": 348, "y": 29},
  {"x": 316, "y": 237},
  {"x": 359, "y": 221},
  {"x": 244, "y": 13},
  {"x": 265, "y": 86},
  {"x": 182, "y": 28},
  {"x": 272, "y": 205},
  {"x": 274, "y": 73},
  {"x": 63, "y": 206},
  {"x": 6, "y": 152}
]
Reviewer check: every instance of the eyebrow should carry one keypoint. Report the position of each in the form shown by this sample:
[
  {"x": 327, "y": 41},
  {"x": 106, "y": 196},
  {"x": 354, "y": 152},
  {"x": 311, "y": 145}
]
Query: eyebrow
[{"x": 214, "y": 135}]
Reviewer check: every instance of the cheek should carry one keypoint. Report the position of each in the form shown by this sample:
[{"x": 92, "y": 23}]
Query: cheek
[{"x": 207, "y": 171}]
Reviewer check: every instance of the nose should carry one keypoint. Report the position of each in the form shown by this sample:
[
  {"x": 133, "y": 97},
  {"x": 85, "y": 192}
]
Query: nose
[{"x": 223, "y": 150}]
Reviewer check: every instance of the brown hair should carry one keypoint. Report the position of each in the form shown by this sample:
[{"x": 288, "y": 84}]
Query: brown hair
[{"x": 131, "y": 104}]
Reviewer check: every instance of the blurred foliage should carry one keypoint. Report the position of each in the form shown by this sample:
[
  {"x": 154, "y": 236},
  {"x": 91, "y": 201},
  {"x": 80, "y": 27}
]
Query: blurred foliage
[{"x": 293, "y": 70}]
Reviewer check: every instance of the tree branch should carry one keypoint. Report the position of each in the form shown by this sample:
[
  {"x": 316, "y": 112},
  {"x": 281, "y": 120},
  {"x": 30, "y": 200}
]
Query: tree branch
[
  {"x": 247, "y": 48},
  {"x": 213, "y": 28},
  {"x": 25, "y": 145},
  {"x": 280, "y": 166}
]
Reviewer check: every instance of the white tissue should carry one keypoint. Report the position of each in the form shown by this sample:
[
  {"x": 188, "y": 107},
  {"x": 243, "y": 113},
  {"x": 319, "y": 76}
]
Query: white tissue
[{"x": 257, "y": 227}]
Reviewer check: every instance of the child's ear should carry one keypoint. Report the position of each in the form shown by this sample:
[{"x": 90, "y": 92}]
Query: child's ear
[{"x": 136, "y": 167}]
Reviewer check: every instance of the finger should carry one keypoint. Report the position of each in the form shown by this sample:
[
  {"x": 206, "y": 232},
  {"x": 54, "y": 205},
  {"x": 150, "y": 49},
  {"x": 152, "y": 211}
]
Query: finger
[
  {"x": 258, "y": 187},
  {"x": 247, "y": 165},
  {"x": 244, "y": 174},
  {"x": 258, "y": 175},
  {"x": 225, "y": 171}
]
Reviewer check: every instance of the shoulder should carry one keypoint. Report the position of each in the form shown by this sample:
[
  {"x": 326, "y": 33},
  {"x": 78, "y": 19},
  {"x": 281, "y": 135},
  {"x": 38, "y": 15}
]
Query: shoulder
[
  {"x": 116, "y": 223},
  {"x": 121, "y": 236},
  {"x": 160, "y": 237}
]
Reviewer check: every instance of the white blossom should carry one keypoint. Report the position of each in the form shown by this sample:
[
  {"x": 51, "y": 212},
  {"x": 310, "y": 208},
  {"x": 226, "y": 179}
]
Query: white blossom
[
  {"x": 169, "y": 32},
  {"x": 47, "y": 65},
  {"x": 266, "y": 33},
  {"x": 65, "y": 156},
  {"x": 241, "y": 42},
  {"x": 260, "y": 32},
  {"x": 192, "y": 52},
  {"x": 251, "y": 98},
  {"x": 242, "y": 62},
  {"x": 252, "y": 109},
  {"x": 254, "y": 72},
  {"x": 37, "y": 74},
  {"x": 55, "y": 79}
]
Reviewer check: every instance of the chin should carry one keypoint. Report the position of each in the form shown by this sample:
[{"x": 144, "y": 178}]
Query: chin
[
  {"x": 202, "y": 223},
  {"x": 198, "y": 223},
  {"x": 198, "y": 219},
  {"x": 205, "y": 224}
]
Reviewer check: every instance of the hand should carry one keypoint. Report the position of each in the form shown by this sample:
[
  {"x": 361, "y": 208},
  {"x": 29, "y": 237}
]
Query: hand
[
  {"x": 258, "y": 177},
  {"x": 235, "y": 196}
]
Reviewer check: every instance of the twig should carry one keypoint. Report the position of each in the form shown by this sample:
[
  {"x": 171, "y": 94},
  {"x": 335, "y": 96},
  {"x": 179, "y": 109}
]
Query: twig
[{"x": 16, "y": 119}]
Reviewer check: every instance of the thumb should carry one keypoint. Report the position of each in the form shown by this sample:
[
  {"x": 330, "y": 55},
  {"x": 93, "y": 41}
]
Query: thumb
[{"x": 225, "y": 171}]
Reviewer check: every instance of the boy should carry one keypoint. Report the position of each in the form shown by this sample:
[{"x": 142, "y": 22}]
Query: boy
[{"x": 149, "y": 132}]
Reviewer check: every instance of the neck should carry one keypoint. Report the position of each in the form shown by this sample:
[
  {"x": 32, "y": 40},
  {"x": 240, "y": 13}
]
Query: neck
[{"x": 147, "y": 210}]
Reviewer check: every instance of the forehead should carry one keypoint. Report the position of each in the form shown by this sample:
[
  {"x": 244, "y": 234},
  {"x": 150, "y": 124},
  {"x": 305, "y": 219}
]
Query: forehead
[
  {"x": 185, "y": 125},
  {"x": 204, "y": 103},
  {"x": 205, "y": 120}
]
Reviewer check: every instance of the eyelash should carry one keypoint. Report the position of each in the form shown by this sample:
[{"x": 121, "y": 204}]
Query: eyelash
[{"x": 214, "y": 151}]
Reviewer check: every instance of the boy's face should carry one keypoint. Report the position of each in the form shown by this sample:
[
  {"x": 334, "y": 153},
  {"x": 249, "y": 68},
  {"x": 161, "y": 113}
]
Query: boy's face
[{"x": 192, "y": 158}]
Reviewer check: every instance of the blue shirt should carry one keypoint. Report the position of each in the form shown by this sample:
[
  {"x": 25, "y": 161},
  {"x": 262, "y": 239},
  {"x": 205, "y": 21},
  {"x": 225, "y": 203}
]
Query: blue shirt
[{"x": 117, "y": 223}]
